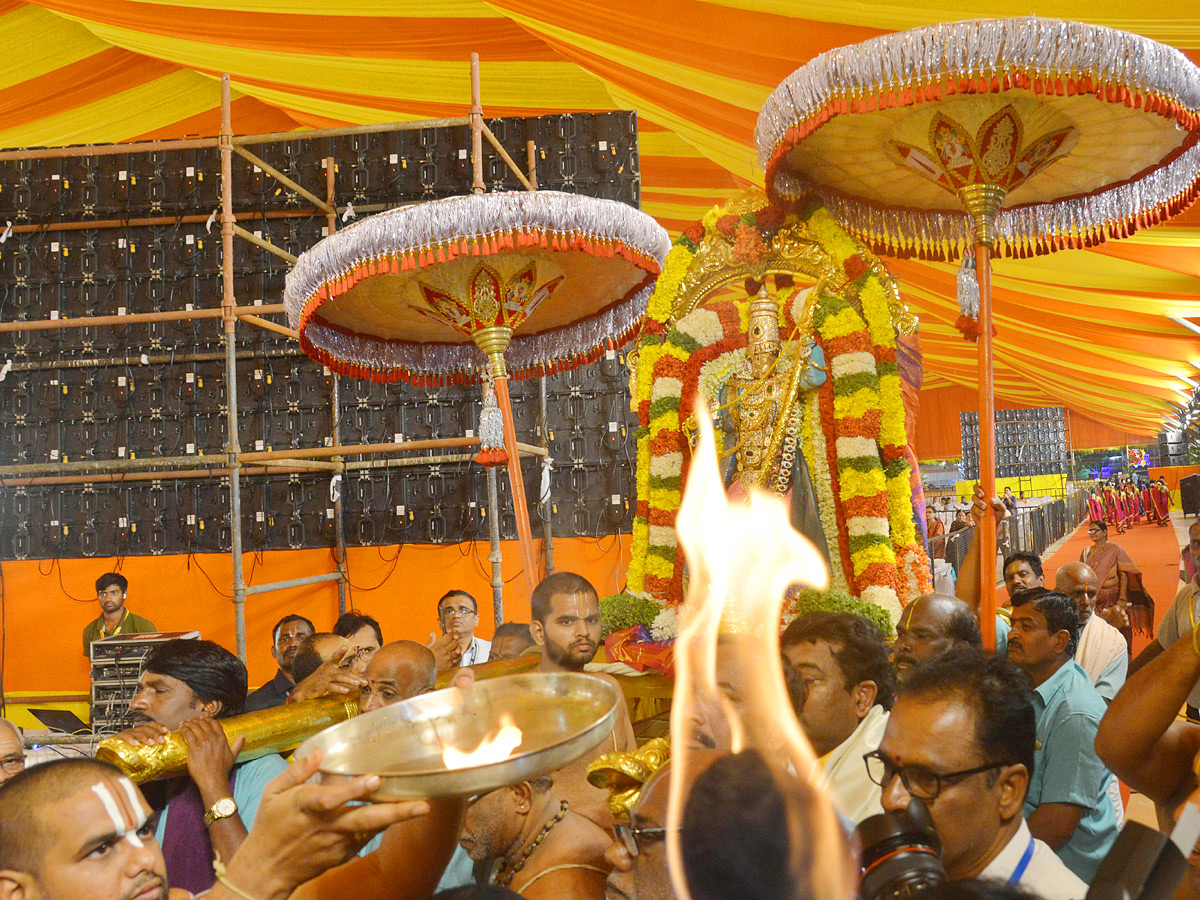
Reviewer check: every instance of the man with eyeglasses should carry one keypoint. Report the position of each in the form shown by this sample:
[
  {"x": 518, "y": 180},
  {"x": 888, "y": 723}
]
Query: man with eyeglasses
[
  {"x": 1072, "y": 803},
  {"x": 961, "y": 739},
  {"x": 12, "y": 751},
  {"x": 638, "y": 856},
  {"x": 458, "y": 614}
]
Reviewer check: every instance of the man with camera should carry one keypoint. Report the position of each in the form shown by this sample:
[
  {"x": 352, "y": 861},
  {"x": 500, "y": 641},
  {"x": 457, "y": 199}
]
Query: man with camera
[{"x": 960, "y": 739}]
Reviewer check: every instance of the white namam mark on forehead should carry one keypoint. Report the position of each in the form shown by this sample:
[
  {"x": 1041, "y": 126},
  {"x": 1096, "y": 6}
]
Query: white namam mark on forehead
[{"x": 127, "y": 821}]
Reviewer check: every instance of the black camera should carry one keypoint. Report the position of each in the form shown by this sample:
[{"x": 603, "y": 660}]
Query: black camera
[{"x": 901, "y": 854}]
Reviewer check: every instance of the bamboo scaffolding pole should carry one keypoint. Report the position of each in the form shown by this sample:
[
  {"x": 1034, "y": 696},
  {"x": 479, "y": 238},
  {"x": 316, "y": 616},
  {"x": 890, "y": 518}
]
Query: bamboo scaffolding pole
[
  {"x": 270, "y": 326},
  {"x": 153, "y": 360},
  {"x": 264, "y": 243},
  {"x": 241, "y": 140},
  {"x": 282, "y": 178},
  {"x": 347, "y": 130},
  {"x": 107, "y": 465},
  {"x": 101, "y": 224},
  {"x": 174, "y": 475},
  {"x": 531, "y": 163},
  {"x": 293, "y": 583},
  {"x": 315, "y": 465},
  {"x": 503, "y": 154},
  {"x": 229, "y": 305},
  {"x": 171, "y": 315},
  {"x": 335, "y": 409},
  {"x": 358, "y": 449},
  {"x": 204, "y": 143},
  {"x": 476, "y": 123},
  {"x": 261, "y": 457}
]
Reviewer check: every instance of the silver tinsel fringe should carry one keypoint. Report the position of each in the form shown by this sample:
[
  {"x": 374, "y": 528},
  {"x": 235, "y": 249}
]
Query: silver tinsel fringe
[
  {"x": 1076, "y": 221},
  {"x": 427, "y": 226},
  {"x": 986, "y": 47},
  {"x": 399, "y": 360}
]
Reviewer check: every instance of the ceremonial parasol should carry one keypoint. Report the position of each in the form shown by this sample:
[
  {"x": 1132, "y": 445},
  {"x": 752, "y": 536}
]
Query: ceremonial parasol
[
  {"x": 538, "y": 281},
  {"x": 1019, "y": 136}
]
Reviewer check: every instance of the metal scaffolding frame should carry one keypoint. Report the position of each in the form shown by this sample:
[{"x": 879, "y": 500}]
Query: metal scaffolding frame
[{"x": 234, "y": 464}]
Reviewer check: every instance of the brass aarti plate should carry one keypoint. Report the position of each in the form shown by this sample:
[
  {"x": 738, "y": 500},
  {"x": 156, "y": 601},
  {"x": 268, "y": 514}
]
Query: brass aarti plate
[{"x": 561, "y": 717}]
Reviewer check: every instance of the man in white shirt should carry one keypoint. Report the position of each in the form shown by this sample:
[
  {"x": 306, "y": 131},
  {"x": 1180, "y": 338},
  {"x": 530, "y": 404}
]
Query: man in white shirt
[
  {"x": 961, "y": 739},
  {"x": 1102, "y": 651},
  {"x": 844, "y": 663},
  {"x": 458, "y": 614}
]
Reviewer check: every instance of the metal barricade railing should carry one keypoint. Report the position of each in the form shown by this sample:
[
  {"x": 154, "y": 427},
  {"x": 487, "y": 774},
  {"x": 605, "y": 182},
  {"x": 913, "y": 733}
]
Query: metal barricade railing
[{"x": 1026, "y": 529}]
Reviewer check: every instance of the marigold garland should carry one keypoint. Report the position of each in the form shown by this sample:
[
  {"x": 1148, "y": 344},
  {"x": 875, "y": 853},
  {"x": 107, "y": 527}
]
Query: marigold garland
[{"x": 852, "y": 431}]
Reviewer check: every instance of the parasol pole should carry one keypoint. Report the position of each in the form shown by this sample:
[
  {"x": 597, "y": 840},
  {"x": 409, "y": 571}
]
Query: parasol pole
[
  {"x": 983, "y": 201},
  {"x": 493, "y": 342}
]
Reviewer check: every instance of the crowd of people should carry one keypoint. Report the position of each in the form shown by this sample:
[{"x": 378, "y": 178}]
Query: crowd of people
[{"x": 1014, "y": 756}]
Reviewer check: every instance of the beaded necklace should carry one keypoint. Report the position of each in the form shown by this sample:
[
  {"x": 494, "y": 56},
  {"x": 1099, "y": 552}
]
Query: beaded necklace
[{"x": 504, "y": 875}]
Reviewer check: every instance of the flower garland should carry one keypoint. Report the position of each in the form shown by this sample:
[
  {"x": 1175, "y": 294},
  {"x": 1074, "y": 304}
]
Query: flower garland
[{"x": 851, "y": 430}]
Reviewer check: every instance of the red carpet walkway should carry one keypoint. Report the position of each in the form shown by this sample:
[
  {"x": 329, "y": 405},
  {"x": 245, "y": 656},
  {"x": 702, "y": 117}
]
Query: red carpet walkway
[{"x": 1154, "y": 549}]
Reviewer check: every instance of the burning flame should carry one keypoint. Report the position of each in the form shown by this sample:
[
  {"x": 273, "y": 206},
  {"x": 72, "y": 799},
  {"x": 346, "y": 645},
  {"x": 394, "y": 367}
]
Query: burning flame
[
  {"x": 491, "y": 749},
  {"x": 742, "y": 557}
]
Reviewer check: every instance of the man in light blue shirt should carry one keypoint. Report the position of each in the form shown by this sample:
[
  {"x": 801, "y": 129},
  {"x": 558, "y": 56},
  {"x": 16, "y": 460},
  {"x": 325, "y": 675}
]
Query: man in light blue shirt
[{"x": 1069, "y": 804}]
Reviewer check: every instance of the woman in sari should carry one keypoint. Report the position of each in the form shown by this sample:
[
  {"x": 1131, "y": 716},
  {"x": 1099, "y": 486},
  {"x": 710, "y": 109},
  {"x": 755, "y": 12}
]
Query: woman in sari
[
  {"x": 1162, "y": 501},
  {"x": 1147, "y": 501},
  {"x": 1114, "y": 507},
  {"x": 1120, "y": 582},
  {"x": 1133, "y": 512},
  {"x": 1095, "y": 505}
]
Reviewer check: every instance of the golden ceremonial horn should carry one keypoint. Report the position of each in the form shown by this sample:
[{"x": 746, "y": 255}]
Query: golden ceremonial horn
[
  {"x": 267, "y": 731},
  {"x": 526, "y": 662}
]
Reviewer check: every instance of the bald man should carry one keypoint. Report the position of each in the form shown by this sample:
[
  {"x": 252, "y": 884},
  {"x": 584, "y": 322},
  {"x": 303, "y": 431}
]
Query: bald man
[
  {"x": 930, "y": 626},
  {"x": 12, "y": 750},
  {"x": 1102, "y": 651},
  {"x": 398, "y": 671}
]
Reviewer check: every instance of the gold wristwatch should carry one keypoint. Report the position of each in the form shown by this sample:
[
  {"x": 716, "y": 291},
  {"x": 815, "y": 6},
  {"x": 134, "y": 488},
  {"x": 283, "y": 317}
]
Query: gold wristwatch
[{"x": 222, "y": 809}]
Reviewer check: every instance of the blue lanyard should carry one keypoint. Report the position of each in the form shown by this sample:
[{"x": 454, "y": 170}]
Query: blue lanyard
[{"x": 1023, "y": 864}]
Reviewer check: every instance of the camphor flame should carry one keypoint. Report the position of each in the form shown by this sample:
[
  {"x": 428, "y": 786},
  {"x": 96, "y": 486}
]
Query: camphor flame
[
  {"x": 742, "y": 557},
  {"x": 492, "y": 749}
]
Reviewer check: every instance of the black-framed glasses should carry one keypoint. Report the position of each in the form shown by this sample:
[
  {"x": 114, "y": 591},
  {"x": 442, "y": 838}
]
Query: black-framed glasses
[
  {"x": 629, "y": 836},
  {"x": 461, "y": 611},
  {"x": 918, "y": 781}
]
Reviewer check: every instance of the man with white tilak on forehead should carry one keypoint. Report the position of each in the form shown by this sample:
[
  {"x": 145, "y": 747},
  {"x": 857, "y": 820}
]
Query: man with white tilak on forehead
[{"x": 78, "y": 829}]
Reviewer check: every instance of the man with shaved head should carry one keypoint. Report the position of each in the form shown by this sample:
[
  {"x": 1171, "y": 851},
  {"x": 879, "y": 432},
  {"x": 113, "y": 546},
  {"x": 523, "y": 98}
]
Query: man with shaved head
[
  {"x": 1102, "y": 651},
  {"x": 930, "y": 626},
  {"x": 12, "y": 750},
  {"x": 398, "y": 671},
  {"x": 79, "y": 829}
]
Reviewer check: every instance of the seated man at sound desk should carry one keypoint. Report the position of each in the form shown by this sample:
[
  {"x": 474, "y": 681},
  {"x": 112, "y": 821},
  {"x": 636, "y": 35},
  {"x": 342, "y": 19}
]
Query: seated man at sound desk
[
  {"x": 112, "y": 590},
  {"x": 187, "y": 686}
]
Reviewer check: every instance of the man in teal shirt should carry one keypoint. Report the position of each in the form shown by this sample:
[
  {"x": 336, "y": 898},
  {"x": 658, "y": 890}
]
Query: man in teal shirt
[{"x": 1070, "y": 804}]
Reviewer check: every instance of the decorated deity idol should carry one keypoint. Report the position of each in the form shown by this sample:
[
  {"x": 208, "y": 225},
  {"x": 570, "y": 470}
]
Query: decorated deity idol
[{"x": 759, "y": 414}]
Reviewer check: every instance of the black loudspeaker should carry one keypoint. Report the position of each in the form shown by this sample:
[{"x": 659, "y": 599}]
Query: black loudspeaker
[
  {"x": 1172, "y": 448},
  {"x": 1189, "y": 495}
]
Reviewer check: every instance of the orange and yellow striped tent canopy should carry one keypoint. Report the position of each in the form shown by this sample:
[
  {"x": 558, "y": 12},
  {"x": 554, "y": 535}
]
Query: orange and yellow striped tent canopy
[{"x": 1106, "y": 332}]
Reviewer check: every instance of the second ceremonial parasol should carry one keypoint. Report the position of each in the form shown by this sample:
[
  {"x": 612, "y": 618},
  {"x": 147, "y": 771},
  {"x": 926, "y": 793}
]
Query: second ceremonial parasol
[
  {"x": 538, "y": 281},
  {"x": 1020, "y": 136}
]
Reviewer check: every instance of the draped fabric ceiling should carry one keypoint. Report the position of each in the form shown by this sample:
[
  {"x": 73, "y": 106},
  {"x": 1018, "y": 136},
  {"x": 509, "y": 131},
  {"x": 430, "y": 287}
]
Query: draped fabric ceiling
[{"x": 1099, "y": 331}]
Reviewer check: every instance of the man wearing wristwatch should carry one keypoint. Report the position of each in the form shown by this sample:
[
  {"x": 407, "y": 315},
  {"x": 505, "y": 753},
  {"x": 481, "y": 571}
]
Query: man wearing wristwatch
[{"x": 188, "y": 686}]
